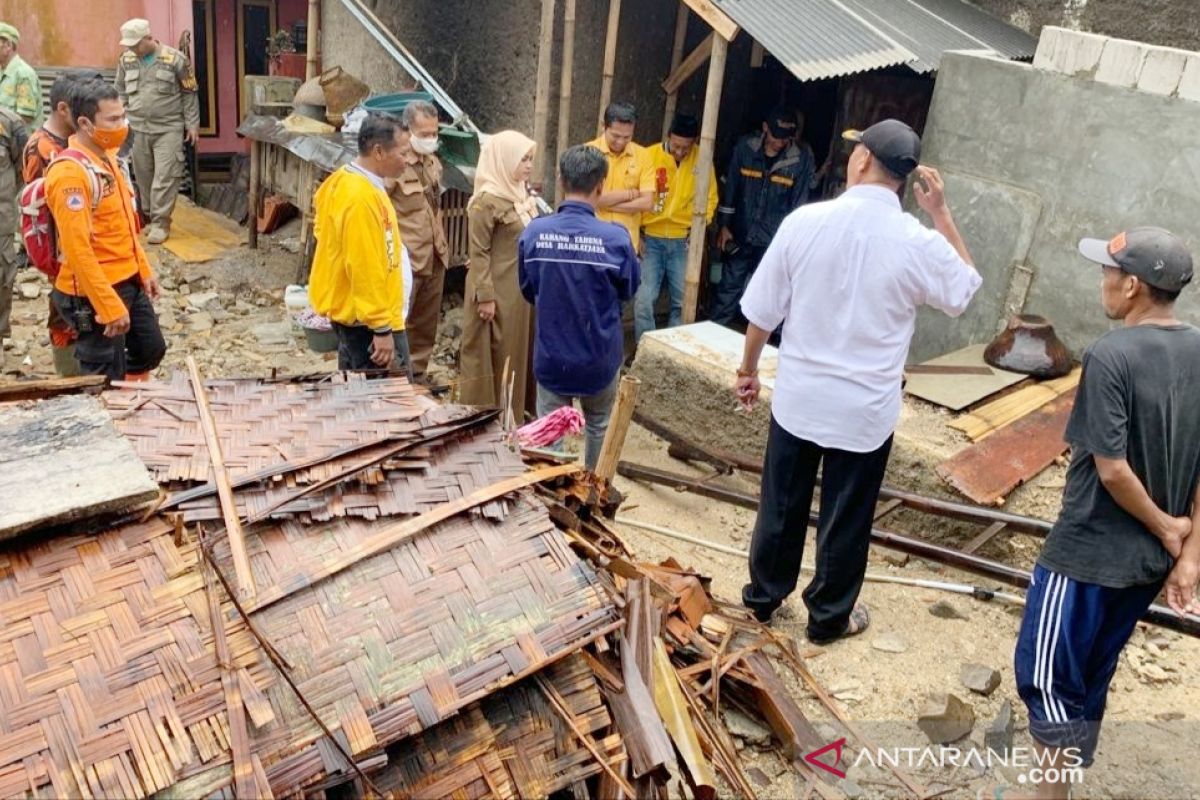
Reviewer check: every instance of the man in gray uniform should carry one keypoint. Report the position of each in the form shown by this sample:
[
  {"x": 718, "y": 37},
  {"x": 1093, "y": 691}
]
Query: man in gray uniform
[
  {"x": 13, "y": 134},
  {"x": 158, "y": 87}
]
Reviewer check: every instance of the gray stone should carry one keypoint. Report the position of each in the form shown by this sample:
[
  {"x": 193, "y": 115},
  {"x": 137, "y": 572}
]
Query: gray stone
[
  {"x": 184, "y": 289},
  {"x": 208, "y": 301},
  {"x": 167, "y": 282},
  {"x": 895, "y": 559},
  {"x": 851, "y": 789},
  {"x": 980, "y": 679},
  {"x": 749, "y": 730},
  {"x": 946, "y": 719},
  {"x": 29, "y": 276},
  {"x": 999, "y": 735},
  {"x": 944, "y": 609},
  {"x": 30, "y": 291},
  {"x": 889, "y": 643},
  {"x": 200, "y": 322}
]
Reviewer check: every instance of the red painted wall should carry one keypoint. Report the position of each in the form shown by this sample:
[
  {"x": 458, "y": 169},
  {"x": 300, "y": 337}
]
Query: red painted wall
[{"x": 51, "y": 29}]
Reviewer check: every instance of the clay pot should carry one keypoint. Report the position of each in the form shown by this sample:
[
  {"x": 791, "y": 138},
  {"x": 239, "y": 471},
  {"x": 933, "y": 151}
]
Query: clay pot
[{"x": 1028, "y": 345}]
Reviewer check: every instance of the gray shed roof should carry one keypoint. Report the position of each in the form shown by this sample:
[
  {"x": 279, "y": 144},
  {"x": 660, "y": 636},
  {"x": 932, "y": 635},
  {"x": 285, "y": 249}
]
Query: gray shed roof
[{"x": 826, "y": 38}]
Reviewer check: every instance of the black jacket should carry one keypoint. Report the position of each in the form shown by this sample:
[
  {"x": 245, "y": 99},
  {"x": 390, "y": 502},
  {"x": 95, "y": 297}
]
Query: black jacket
[{"x": 756, "y": 199}]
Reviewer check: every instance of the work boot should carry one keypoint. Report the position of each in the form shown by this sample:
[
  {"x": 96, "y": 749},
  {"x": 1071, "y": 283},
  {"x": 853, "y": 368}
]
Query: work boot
[{"x": 157, "y": 234}]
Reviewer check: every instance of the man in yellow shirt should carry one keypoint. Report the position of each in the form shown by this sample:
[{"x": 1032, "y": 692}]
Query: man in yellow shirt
[
  {"x": 357, "y": 280},
  {"x": 666, "y": 227},
  {"x": 629, "y": 187}
]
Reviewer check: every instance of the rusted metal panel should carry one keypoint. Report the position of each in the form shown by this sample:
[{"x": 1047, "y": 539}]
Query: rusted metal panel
[{"x": 987, "y": 471}]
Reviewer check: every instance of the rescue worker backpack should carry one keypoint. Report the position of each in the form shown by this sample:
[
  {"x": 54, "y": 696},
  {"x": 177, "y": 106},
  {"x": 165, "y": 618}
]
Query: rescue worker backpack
[{"x": 37, "y": 224}]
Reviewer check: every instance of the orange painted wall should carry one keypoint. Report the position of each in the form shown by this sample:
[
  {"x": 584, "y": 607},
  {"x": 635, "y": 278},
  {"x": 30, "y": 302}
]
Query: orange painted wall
[{"x": 85, "y": 33}]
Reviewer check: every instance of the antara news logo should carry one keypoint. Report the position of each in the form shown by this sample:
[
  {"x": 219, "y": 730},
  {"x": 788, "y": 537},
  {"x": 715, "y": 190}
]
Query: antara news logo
[{"x": 1037, "y": 766}]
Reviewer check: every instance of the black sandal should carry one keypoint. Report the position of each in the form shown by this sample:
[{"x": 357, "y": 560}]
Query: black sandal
[{"x": 860, "y": 620}]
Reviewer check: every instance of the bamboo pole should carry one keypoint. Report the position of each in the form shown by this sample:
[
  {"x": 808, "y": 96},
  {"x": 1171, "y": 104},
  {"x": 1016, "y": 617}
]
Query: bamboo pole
[
  {"x": 610, "y": 60},
  {"x": 255, "y": 191},
  {"x": 233, "y": 523},
  {"x": 708, "y": 132},
  {"x": 618, "y": 425},
  {"x": 564, "y": 86},
  {"x": 311, "y": 65},
  {"x": 681, "y": 23},
  {"x": 541, "y": 101}
]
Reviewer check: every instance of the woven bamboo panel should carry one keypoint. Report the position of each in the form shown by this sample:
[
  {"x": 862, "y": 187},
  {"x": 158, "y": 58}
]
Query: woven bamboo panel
[
  {"x": 511, "y": 745},
  {"x": 423, "y": 478},
  {"x": 109, "y": 686},
  {"x": 263, "y": 424}
]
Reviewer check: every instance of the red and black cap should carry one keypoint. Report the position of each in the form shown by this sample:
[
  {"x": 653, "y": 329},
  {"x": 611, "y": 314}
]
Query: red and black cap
[
  {"x": 1154, "y": 255},
  {"x": 896, "y": 145}
]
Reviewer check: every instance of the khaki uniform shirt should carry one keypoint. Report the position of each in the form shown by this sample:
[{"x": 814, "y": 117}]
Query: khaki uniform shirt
[
  {"x": 20, "y": 91},
  {"x": 159, "y": 93},
  {"x": 13, "y": 135},
  {"x": 417, "y": 198}
]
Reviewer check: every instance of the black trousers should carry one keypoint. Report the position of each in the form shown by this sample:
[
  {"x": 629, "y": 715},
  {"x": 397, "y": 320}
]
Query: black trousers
[
  {"x": 736, "y": 272},
  {"x": 849, "y": 489},
  {"x": 354, "y": 349},
  {"x": 141, "y": 349}
]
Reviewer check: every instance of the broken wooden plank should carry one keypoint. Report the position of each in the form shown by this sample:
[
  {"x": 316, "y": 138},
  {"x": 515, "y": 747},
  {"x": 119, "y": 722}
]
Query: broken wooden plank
[
  {"x": 233, "y": 523},
  {"x": 560, "y": 706},
  {"x": 956, "y": 392},
  {"x": 675, "y": 712},
  {"x": 983, "y": 538},
  {"x": 774, "y": 702},
  {"x": 991, "y": 417},
  {"x": 618, "y": 425},
  {"x": 11, "y": 391},
  {"x": 987, "y": 471},
  {"x": 63, "y": 460}
]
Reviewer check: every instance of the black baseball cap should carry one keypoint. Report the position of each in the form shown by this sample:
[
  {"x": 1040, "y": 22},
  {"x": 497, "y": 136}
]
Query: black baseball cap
[
  {"x": 896, "y": 145},
  {"x": 1154, "y": 255},
  {"x": 781, "y": 123}
]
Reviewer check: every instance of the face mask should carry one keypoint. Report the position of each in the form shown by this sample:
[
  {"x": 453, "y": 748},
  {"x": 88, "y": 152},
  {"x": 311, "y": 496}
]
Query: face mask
[
  {"x": 110, "y": 138},
  {"x": 426, "y": 146}
]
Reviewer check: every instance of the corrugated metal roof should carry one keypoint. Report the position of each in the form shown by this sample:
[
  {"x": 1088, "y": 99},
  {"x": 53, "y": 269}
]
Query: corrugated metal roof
[
  {"x": 815, "y": 38},
  {"x": 826, "y": 38}
]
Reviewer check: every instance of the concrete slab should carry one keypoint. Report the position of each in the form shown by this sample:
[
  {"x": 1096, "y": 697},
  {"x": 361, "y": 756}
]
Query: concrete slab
[
  {"x": 688, "y": 375},
  {"x": 956, "y": 392},
  {"x": 1162, "y": 70},
  {"x": 1189, "y": 82},
  {"x": 1121, "y": 63},
  {"x": 1069, "y": 52}
]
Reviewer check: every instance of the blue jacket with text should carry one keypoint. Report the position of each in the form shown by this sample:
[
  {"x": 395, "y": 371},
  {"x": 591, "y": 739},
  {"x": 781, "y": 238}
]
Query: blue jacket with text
[{"x": 576, "y": 270}]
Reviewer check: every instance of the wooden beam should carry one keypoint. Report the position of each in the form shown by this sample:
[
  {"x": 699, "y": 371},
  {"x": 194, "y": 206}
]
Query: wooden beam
[
  {"x": 233, "y": 524},
  {"x": 618, "y": 426},
  {"x": 255, "y": 190},
  {"x": 541, "y": 99},
  {"x": 681, "y": 24},
  {"x": 610, "y": 59},
  {"x": 394, "y": 534},
  {"x": 564, "y": 86},
  {"x": 689, "y": 65},
  {"x": 311, "y": 62},
  {"x": 51, "y": 387},
  {"x": 697, "y": 239},
  {"x": 717, "y": 19}
]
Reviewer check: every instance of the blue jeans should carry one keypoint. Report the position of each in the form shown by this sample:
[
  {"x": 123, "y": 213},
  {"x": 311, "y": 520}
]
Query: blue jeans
[
  {"x": 662, "y": 259},
  {"x": 596, "y": 410}
]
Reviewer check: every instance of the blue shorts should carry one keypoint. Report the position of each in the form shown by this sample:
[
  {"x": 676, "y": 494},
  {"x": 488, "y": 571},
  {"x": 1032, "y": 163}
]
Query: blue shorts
[{"x": 1071, "y": 638}]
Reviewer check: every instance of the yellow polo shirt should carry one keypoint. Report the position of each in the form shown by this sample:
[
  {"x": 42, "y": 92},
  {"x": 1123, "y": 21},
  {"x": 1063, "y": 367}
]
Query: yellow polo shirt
[
  {"x": 631, "y": 169},
  {"x": 675, "y": 219}
]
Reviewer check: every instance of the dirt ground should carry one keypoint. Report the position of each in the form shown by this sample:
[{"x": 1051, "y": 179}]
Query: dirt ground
[{"x": 230, "y": 314}]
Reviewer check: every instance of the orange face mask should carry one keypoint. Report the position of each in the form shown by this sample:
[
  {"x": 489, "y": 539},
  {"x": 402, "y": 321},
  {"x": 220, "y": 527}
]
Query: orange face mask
[{"x": 110, "y": 138}]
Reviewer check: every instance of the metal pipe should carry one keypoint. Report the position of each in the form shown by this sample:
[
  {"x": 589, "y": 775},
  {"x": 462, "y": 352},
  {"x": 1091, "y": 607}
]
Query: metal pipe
[
  {"x": 956, "y": 588},
  {"x": 1157, "y": 614}
]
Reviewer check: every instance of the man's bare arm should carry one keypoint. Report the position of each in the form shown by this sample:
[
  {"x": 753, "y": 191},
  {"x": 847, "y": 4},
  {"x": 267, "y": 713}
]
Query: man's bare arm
[{"x": 1125, "y": 487}]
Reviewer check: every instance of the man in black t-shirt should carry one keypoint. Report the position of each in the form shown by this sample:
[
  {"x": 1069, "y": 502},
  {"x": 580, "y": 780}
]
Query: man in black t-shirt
[{"x": 1130, "y": 501}]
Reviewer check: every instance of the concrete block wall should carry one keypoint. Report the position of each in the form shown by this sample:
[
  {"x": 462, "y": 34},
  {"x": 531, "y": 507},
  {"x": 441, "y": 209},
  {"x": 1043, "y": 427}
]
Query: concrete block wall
[{"x": 1164, "y": 71}]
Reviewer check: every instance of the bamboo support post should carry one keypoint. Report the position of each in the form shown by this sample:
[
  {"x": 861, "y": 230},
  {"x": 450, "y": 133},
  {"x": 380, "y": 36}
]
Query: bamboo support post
[
  {"x": 541, "y": 100},
  {"x": 618, "y": 426},
  {"x": 568, "y": 73},
  {"x": 708, "y": 131},
  {"x": 255, "y": 189},
  {"x": 311, "y": 63},
  {"x": 233, "y": 524},
  {"x": 610, "y": 59},
  {"x": 681, "y": 24}
]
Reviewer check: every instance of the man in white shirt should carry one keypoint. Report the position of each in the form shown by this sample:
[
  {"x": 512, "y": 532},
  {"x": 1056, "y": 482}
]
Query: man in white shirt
[{"x": 845, "y": 278}]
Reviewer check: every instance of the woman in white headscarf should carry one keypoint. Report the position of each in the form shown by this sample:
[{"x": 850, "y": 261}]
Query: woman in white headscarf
[{"x": 495, "y": 315}]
